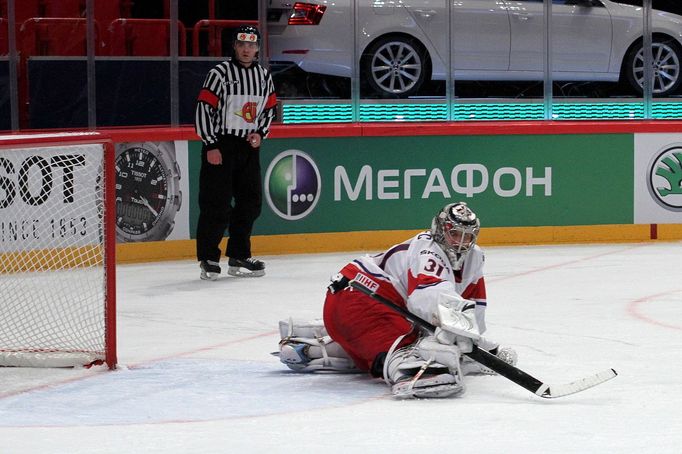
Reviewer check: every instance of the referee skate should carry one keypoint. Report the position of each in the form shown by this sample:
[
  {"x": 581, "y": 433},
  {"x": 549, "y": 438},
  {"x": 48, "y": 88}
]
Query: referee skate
[{"x": 248, "y": 267}]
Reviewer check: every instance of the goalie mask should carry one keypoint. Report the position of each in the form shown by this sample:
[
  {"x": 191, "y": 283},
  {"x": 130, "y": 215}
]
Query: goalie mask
[{"x": 455, "y": 228}]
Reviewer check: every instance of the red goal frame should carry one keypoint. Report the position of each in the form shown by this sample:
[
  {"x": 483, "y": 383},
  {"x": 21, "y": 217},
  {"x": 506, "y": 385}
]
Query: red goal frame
[{"x": 83, "y": 138}]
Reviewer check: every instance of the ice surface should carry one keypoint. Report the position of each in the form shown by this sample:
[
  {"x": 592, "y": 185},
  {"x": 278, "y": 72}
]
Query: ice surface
[{"x": 197, "y": 375}]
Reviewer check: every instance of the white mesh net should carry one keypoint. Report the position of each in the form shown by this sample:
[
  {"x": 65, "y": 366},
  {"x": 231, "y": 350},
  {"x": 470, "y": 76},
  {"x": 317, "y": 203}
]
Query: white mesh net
[{"x": 52, "y": 255}]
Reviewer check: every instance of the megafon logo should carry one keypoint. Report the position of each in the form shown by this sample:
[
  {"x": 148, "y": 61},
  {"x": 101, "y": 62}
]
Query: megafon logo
[
  {"x": 665, "y": 178},
  {"x": 292, "y": 185}
]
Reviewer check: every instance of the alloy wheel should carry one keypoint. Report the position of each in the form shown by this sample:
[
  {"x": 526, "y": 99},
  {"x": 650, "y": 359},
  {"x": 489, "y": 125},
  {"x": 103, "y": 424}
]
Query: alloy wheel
[
  {"x": 666, "y": 68},
  {"x": 396, "y": 67}
]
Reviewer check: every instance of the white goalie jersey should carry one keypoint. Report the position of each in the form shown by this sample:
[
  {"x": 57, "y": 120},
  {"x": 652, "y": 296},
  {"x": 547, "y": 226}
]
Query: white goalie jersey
[{"x": 419, "y": 272}]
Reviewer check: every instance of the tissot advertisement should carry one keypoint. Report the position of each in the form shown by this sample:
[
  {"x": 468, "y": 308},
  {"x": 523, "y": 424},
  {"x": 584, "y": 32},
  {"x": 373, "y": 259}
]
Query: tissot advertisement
[
  {"x": 50, "y": 197},
  {"x": 151, "y": 182}
]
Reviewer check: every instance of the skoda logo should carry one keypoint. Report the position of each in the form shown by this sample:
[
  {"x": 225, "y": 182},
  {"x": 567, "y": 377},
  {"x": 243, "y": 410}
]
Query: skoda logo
[
  {"x": 665, "y": 178},
  {"x": 292, "y": 185}
]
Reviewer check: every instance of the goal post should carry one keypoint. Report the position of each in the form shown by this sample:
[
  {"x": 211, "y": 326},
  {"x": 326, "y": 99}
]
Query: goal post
[{"x": 57, "y": 250}]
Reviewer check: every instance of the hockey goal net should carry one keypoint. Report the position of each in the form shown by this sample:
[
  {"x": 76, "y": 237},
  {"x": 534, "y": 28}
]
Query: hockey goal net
[{"x": 57, "y": 250}]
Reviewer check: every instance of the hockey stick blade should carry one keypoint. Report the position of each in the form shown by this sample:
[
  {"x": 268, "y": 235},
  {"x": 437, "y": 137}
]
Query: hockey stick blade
[
  {"x": 552, "y": 391},
  {"x": 494, "y": 363}
]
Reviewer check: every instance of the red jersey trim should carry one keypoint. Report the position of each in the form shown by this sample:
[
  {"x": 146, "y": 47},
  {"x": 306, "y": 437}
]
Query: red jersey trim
[
  {"x": 475, "y": 291},
  {"x": 421, "y": 280}
]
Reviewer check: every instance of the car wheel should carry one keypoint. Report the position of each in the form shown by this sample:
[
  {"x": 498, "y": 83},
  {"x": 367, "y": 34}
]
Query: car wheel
[
  {"x": 667, "y": 58},
  {"x": 395, "y": 66}
]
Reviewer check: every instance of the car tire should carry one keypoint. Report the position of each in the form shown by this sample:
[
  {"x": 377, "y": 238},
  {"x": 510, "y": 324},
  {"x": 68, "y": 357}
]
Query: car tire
[
  {"x": 667, "y": 56},
  {"x": 395, "y": 66}
]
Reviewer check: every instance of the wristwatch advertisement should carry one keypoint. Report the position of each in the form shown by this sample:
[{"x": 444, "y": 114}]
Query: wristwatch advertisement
[{"x": 148, "y": 194}]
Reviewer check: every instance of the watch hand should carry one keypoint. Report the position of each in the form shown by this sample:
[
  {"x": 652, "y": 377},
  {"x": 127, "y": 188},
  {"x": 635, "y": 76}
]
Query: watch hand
[{"x": 146, "y": 203}]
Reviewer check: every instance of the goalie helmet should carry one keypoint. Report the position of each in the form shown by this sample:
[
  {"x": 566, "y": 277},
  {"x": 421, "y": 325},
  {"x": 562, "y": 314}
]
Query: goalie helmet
[{"x": 455, "y": 228}]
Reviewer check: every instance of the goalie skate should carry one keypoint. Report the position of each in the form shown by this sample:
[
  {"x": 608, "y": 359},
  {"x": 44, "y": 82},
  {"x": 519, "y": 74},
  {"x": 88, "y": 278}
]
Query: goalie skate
[
  {"x": 248, "y": 267},
  {"x": 411, "y": 375},
  {"x": 436, "y": 386}
]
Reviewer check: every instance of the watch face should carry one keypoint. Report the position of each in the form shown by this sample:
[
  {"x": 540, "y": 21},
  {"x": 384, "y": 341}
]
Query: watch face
[{"x": 141, "y": 190}]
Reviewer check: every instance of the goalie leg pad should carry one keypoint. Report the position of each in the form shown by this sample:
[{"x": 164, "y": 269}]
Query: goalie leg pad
[
  {"x": 306, "y": 347},
  {"x": 417, "y": 371}
]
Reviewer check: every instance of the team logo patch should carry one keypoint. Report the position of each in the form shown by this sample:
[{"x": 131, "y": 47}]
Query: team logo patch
[
  {"x": 248, "y": 112},
  {"x": 366, "y": 282}
]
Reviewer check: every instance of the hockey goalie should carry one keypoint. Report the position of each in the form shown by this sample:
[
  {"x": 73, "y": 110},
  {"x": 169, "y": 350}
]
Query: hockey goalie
[{"x": 436, "y": 275}]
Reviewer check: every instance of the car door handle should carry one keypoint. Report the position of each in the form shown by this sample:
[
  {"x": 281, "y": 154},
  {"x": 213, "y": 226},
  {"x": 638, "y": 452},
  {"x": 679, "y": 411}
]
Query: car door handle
[
  {"x": 522, "y": 16},
  {"x": 426, "y": 13}
]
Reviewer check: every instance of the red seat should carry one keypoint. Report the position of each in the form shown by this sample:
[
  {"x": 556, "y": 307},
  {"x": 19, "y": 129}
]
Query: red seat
[
  {"x": 50, "y": 36},
  {"x": 214, "y": 27},
  {"x": 53, "y": 36},
  {"x": 64, "y": 8},
  {"x": 142, "y": 37},
  {"x": 4, "y": 37},
  {"x": 23, "y": 9},
  {"x": 108, "y": 10}
]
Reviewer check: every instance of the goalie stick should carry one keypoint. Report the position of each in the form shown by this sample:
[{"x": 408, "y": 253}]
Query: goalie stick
[{"x": 494, "y": 363}]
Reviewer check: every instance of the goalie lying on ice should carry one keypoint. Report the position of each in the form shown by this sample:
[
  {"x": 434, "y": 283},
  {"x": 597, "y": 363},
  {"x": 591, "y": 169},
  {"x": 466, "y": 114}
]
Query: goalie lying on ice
[{"x": 438, "y": 276}]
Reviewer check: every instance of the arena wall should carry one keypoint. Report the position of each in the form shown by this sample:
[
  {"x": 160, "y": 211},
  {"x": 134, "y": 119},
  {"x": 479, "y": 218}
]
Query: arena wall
[{"x": 364, "y": 186}]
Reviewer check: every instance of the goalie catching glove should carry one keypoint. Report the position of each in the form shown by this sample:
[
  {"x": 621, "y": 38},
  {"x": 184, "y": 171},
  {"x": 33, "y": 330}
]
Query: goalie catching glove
[{"x": 455, "y": 322}]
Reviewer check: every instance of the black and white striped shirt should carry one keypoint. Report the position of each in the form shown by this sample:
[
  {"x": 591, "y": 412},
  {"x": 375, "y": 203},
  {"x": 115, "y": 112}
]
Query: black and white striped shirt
[{"x": 235, "y": 101}]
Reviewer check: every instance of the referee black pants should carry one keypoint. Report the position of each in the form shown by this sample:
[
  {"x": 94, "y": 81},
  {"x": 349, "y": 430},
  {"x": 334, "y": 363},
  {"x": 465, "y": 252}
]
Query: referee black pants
[{"x": 230, "y": 198}]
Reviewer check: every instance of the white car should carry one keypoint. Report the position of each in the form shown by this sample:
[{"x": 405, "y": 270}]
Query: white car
[{"x": 402, "y": 43}]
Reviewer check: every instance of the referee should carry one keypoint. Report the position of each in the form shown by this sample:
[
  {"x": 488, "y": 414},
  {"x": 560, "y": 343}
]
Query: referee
[{"x": 233, "y": 114}]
